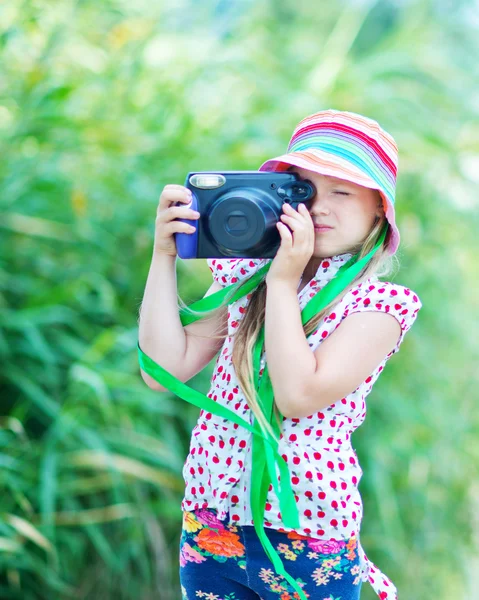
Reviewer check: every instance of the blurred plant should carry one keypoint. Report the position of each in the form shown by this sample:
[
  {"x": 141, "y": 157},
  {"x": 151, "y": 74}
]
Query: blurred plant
[{"x": 100, "y": 107}]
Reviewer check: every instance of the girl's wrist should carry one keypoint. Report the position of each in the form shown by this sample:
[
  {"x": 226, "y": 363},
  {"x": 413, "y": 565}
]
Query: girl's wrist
[{"x": 282, "y": 284}]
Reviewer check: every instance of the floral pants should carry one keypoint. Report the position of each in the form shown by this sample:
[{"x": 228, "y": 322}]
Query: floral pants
[{"x": 223, "y": 561}]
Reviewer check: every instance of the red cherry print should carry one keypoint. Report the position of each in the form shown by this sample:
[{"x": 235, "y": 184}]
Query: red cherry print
[
  {"x": 321, "y": 514},
  {"x": 203, "y": 427},
  {"x": 308, "y": 475},
  {"x": 330, "y": 465},
  {"x": 229, "y": 460},
  {"x": 202, "y": 489},
  {"x": 324, "y": 334},
  {"x": 234, "y": 279},
  {"x": 307, "y": 432},
  {"x": 345, "y": 522},
  {"x": 334, "y": 523},
  {"x": 216, "y": 460},
  {"x": 232, "y": 441},
  {"x": 234, "y": 499},
  {"x": 321, "y": 495},
  {"x": 344, "y": 485},
  {"x": 193, "y": 491},
  {"x": 243, "y": 271},
  {"x": 200, "y": 470},
  {"x": 333, "y": 484},
  {"x": 296, "y": 460},
  {"x": 319, "y": 532},
  {"x": 334, "y": 504},
  {"x": 212, "y": 439},
  {"x": 221, "y": 444},
  {"x": 219, "y": 267},
  {"x": 330, "y": 440},
  {"x": 235, "y": 517},
  {"x": 319, "y": 476},
  {"x": 309, "y": 494},
  {"x": 341, "y": 466},
  {"x": 268, "y": 506},
  {"x": 394, "y": 293},
  {"x": 242, "y": 444},
  {"x": 307, "y": 513},
  {"x": 317, "y": 456},
  {"x": 353, "y": 514},
  {"x": 354, "y": 479},
  {"x": 367, "y": 302},
  {"x": 284, "y": 457},
  {"x": 293, "y": 437},
  {"x": 321, "y": 415},
  {"x": 295, "y": 480}
]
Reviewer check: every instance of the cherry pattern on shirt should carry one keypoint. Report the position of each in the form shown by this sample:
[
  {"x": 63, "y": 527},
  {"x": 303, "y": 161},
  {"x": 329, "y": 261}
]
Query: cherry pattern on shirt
[{"x": 323, "y": 465}]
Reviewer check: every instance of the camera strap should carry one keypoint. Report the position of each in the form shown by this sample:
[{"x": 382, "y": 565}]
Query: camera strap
[{"x": 265, "y": 455}]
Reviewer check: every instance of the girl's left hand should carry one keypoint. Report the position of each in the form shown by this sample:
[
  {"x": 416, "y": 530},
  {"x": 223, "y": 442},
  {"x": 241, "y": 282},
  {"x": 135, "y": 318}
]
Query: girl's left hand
[{"x": 296, "y": 229}]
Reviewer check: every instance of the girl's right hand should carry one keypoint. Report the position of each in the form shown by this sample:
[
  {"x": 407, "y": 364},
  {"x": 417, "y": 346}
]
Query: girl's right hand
[{"x": 166, "y": 224}]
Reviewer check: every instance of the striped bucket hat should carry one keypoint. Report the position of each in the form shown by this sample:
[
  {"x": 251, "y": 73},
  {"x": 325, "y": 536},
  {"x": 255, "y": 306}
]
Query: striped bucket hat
[{"x": 347, "y": 146}]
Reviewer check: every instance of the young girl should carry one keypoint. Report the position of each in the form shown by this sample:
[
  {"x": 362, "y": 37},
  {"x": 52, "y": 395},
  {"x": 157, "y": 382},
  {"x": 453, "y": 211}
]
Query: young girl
[{"x": 321, "y": 372}]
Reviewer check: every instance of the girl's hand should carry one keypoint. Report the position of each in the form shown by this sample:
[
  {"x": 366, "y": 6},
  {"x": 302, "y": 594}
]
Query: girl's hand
[
  {"x": 166, "y": 224},
  {"x": 296, "y": 229}
]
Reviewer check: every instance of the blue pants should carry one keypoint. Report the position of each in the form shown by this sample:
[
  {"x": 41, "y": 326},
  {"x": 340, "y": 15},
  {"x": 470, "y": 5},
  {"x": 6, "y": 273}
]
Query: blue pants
[{"x": 223, "y": 561}]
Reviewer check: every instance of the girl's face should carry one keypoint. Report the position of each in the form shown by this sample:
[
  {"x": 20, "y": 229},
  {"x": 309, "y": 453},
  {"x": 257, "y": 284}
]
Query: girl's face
[{"x": 343, "y": 213}]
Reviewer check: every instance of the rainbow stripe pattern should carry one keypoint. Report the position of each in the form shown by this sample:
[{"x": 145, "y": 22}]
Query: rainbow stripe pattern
[{"x": 348, "y": 146}]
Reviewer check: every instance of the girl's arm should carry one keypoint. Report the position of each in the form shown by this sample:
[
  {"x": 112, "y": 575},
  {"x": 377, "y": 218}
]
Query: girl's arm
[
  {"x": 305, "y": 382},
  {"x": 162, "y": 336}
]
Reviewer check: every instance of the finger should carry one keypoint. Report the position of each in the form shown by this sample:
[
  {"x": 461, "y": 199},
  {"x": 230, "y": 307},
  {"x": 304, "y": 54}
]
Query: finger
[
  {"x": 294, "y": 224},
  {"x": 302, "y": 209},
  {"x": 172, "y": 195},
  {"x": 178, "y": 227},
  {"x": 290, "y": 211},
  {"x": 285, "y": 233},
  {"x": 178, "y": 212}
]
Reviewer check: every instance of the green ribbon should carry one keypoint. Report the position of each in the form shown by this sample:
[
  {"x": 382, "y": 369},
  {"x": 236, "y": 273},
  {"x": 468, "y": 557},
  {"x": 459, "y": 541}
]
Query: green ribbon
[{"x": 265, "y": 455}]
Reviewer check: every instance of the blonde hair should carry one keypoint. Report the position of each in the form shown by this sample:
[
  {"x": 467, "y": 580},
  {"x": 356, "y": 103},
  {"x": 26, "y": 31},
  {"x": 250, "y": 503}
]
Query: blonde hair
[{"x": 381, "y": 264}]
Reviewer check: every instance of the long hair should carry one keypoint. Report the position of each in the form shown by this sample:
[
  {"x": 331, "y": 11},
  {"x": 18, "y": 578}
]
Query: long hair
[{"x": 246, "y": 335}]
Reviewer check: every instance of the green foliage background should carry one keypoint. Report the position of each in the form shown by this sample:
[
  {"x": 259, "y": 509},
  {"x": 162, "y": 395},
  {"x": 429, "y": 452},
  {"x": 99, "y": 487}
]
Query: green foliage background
[{"x": 101, "y": 105}]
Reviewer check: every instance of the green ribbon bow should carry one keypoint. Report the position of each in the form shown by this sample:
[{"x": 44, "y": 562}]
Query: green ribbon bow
[{"x": 265, "y": 455}]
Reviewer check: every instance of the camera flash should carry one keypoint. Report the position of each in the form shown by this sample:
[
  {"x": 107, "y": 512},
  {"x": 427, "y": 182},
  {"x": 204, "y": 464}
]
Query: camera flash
[{"x": 207, "y": 181}]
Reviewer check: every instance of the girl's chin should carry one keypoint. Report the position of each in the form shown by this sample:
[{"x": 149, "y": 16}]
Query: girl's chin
[{"x": 322, "y": 249}]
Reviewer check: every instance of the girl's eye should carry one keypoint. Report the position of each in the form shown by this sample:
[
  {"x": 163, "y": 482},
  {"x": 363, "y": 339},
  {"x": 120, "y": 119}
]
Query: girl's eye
[{"x": 341, "y": 193}]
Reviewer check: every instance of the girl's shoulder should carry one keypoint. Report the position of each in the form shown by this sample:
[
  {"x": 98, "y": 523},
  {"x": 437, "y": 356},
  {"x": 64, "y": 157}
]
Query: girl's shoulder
[
  {"x": 392, "y": 298},
  {"x": 227, "y": 271}
]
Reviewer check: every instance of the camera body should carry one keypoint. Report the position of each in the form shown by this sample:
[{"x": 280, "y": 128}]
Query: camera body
[{"x": 238, "y": 212}]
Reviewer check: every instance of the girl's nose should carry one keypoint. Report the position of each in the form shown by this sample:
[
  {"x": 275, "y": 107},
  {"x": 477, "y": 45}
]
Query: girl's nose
[{"x": 319, "y": 206}]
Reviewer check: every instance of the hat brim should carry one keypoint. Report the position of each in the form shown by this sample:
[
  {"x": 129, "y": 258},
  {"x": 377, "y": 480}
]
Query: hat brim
[{"x": 325, "y": 163}]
